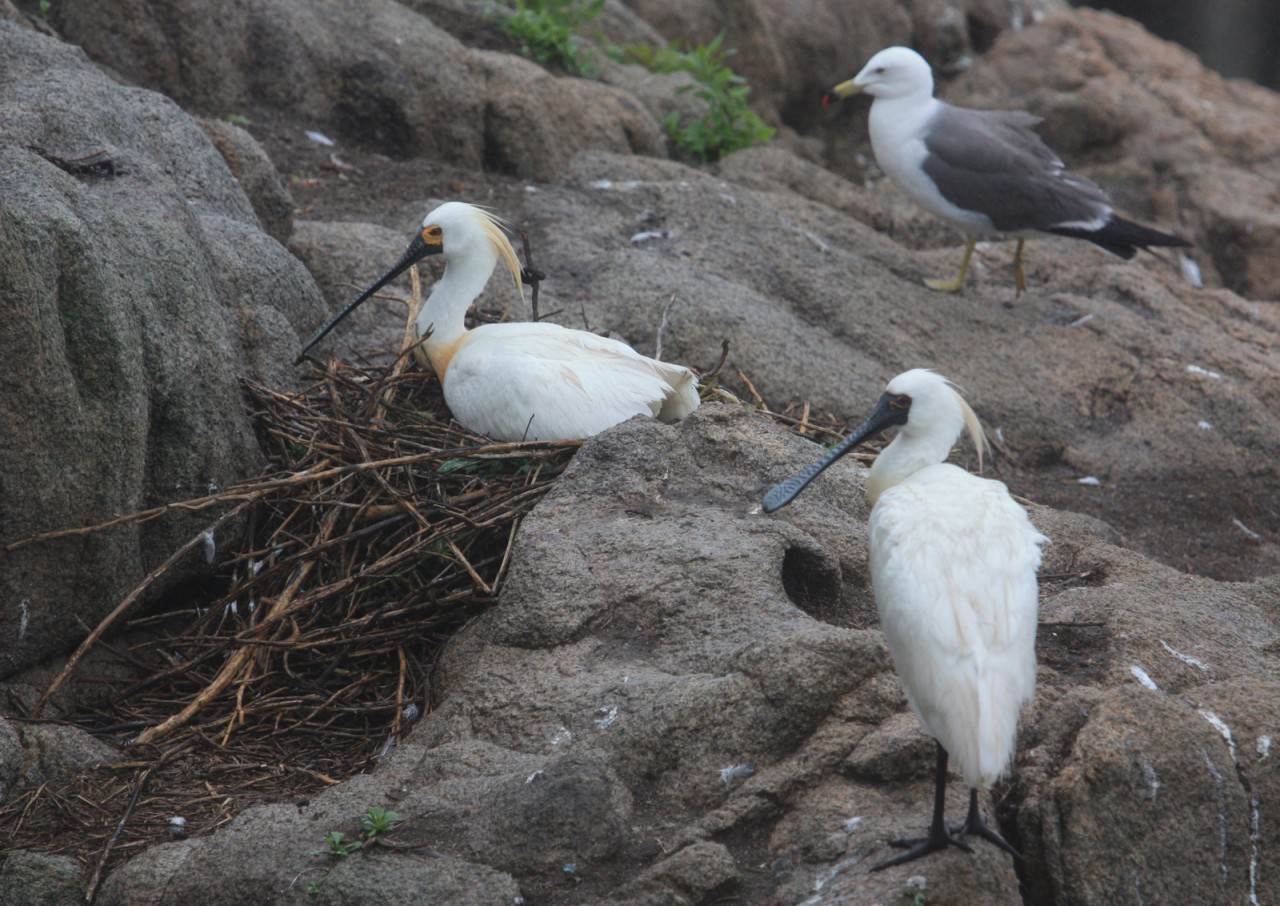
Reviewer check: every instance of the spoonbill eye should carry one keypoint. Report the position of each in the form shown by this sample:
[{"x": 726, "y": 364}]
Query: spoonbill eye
[
  {"x": 433, "y": 235},
  {"x": 901, "y": 401}
]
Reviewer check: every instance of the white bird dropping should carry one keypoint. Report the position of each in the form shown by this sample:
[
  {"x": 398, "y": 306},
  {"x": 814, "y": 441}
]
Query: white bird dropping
[
  {"x": 953, "y": 565},
  {"x": 521, "y": 381}
]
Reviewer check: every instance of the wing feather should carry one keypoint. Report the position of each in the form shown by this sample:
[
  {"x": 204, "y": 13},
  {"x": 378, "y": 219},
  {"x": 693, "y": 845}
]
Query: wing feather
[
  {"x": 991, "y": 161},
  {"x": 539, "y": 381}
]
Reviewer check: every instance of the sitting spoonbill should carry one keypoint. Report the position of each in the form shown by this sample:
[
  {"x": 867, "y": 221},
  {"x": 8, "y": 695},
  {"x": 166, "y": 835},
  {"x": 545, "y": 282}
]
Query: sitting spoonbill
[
  {"x": 984, "y": 171},
  {"x": 521, "y": 381},
  {"x": 953, "y": 566}
]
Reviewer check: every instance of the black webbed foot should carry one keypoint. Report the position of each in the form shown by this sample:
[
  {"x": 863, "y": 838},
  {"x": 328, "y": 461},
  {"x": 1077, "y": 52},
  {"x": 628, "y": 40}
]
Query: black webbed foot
[
  {"x": 940, "y": 835},
  {"x": 975, "y": 826},
  {"x": 938, "y": 838}
]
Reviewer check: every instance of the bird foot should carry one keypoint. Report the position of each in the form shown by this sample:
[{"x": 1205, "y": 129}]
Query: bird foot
[
  {"x": 938, "y": 285},
  {"x": 939, "y": 838},
  {"x": 1019, "y": 275},
  {"x": 974, "y": 826}
]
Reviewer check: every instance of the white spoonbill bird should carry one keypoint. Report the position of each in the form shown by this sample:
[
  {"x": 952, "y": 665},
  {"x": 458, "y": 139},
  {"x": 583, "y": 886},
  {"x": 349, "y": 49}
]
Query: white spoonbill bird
[
  {"x": 984, "y": 171},
  {"x": 953, "y": 566},
  {"x": 521, "y": 381}
]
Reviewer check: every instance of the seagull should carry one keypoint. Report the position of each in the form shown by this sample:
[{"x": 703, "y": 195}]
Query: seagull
[
  {"x": 529, "y": 380},
  {"x": 953, "y": 567},
  {"x": 984, "y": 171}
]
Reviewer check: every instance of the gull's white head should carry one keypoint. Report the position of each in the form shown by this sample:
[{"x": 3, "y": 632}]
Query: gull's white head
[{"x": 896, "y": 72}]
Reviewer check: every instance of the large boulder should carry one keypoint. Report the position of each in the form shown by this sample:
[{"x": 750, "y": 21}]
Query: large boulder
[
  {"x": 679, "y": 699},
  {"x": 138, "y": 288},
  {"x": 792, "y": 51},
  {"x": 382, "y": 76}
]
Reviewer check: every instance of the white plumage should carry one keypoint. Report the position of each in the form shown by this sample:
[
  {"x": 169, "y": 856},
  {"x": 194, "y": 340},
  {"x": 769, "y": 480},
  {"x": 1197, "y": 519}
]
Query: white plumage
[
  {"x": 953, "y": 565},
  {"x": 522, "y": 381}
]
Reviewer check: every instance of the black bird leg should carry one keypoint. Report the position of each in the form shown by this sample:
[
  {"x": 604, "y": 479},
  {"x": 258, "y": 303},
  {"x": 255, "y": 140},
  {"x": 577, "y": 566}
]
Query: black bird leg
[
  {"x": 939, "y": 836},
  {"x": 973, "y": 824}
]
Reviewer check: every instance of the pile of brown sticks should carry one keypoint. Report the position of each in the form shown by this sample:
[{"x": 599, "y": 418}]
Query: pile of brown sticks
[{"x": 380, "y": 527}]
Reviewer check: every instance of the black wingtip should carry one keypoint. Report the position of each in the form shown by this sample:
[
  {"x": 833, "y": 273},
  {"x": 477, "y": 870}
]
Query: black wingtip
[{"x": 1123, "y": 237}]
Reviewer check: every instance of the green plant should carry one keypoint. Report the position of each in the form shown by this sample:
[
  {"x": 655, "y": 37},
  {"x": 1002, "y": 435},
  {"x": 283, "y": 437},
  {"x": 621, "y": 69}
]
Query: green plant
[
  {"x": 378, "y": 820},
  {"x": 238, "y": 119},
  {"x": 544, "y": 29},
  {"x": 729, "y": 123},
  {"x": 336, "y": 845},
  {"x": 375, "y": 821}
]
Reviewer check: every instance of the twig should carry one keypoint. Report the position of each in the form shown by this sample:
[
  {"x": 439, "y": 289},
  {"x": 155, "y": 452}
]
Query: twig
[
  {"x": 754, "y": 395},
  {"x": 395, "y": 721},
  {"x": 471, "y": 570},
  {"x": 714, "y": 374},
  {"x": 409, "y": 343},
  {"x": 531, "y": 275},
  {"x": 128, "y": 602},
  {"x": 246, "y": 495},
  {"x": 91, "y": 891}
]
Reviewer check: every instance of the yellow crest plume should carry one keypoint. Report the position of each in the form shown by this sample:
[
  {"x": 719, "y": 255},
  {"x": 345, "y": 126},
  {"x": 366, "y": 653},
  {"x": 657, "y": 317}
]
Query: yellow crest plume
[
  {"x": 493, "y": 227},
  {"x": 973, "y": 426}
]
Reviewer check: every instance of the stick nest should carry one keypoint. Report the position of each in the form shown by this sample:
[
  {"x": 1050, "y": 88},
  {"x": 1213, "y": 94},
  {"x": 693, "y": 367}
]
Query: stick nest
[{"x": 380, "y": 527}]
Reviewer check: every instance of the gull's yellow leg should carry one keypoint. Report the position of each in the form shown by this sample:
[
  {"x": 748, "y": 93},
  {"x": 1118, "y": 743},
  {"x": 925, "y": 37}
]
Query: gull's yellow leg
[
  {"x": 952, "y": 286},
  {"x": 1019, "y": 276}
]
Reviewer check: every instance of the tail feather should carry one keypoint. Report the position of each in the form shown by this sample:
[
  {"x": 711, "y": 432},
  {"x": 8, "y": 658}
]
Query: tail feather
[
  {"x": 1122, "y": 237},
  {"x": 682, "y": 399}
]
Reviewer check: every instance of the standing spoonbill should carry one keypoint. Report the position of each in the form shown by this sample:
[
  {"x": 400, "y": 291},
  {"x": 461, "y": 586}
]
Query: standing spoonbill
[
  {"x": 953, "y": 566},
  {"x": 521, "y": 381},
  {"x": 983, "y": 171}
]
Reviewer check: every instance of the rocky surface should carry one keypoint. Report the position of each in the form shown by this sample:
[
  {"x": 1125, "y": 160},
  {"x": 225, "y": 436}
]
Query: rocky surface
[
  {"x": 657, "y": 630},
  {"x": 678, "y": 699}
]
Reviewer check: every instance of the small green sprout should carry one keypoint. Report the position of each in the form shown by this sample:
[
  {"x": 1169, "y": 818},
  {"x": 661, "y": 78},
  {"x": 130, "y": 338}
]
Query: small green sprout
[
  {"x": 378, "y": 820},
  {"x": 336, "y": 845}
]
